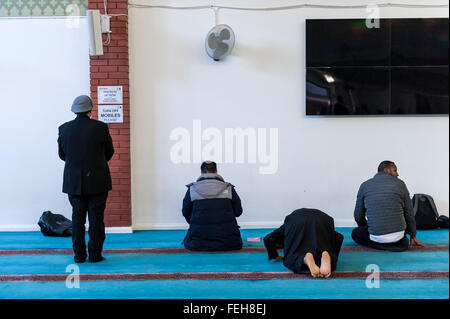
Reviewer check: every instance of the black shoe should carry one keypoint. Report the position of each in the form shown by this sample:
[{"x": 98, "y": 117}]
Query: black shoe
[
  {"x": 79, "y": 260},
  {"x": 96, "y": 260}
]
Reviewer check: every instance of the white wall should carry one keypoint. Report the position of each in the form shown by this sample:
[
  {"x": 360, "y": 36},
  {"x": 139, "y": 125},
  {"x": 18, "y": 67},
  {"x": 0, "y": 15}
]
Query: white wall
[
  {"x": 44, "y": 65},
  {"x": 322, "y": 161}
]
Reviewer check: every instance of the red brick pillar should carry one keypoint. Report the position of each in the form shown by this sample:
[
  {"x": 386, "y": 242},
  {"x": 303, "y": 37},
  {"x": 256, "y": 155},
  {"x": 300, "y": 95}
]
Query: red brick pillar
[{"x": 111, "y": 68}]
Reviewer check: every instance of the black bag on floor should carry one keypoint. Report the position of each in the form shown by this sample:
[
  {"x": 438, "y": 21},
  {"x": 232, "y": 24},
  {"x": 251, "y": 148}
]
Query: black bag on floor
[
  {"x": 55, "y": 225},
  {"x": 443, "y": 221},
  {"x": 425, "y": 211}
]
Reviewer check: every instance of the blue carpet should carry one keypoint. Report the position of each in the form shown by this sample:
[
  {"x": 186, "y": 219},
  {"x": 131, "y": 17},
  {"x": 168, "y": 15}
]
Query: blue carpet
[
  {"x": 216, "y": 262},
  {"x": 232, "y": 289},
  {"x": 171, "y": 239}
]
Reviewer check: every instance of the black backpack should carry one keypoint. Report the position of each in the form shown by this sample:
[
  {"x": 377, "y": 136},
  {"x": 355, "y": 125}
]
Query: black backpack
[
  {"x": 55, "y": 225},
  {"x": 425, "y": 212}
]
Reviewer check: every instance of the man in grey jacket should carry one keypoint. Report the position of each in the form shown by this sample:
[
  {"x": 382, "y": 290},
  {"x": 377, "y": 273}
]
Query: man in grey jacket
[{"x": 384, "y": 212}]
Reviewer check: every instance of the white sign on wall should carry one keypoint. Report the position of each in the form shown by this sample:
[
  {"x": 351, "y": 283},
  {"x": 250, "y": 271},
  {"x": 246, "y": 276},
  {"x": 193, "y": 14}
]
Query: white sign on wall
[
  {"x": 110, "y": 95},
  {"x": 110, "y": 113}
]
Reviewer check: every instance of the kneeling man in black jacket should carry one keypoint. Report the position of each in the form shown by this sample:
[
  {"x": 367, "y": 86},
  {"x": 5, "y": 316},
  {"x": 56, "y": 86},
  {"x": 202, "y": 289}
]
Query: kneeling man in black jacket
[{"x": 211, "y": 206}]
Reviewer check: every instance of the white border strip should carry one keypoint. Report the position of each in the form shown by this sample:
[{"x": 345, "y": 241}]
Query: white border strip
[
  {"x": 244, "y": 225},
  {"x": 169, "y": 226},
  {"x": 25, "y": 228}
]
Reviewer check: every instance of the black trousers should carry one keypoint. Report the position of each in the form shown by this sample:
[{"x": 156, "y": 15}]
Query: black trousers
[
  {"x": 94, "y": 207},
  {"x": 361, "y": 236}
]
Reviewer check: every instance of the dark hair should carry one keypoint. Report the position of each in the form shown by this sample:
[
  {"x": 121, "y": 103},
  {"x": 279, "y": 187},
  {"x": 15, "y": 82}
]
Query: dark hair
[
  {"x": 208, "y": 167},
  {"x": 83, "y": 113},
  {"x": 385, "y": 164}
]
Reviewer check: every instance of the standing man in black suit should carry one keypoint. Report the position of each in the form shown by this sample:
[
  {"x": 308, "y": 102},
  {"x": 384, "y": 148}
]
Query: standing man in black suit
[{"x": 86, "y": 147}]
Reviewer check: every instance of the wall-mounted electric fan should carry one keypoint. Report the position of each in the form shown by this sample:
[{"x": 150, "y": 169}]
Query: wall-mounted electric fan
[{"x": 219, "y": 42}]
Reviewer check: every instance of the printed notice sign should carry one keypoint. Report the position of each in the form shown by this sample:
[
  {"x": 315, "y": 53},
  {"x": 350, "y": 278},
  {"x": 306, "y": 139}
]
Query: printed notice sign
[
  {"x": 110, "y": 95},
  {"x": 110, "y": 113}
]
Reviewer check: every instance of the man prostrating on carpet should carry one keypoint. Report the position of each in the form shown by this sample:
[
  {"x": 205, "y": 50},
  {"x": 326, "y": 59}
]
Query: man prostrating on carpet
[
  {"x": 309, "y": 241},
  {"x": 211, "y": 207}
]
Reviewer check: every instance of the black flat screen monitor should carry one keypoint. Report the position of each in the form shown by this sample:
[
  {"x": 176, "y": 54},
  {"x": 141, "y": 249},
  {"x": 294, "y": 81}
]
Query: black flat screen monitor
[{"x": 398, "y": 68}]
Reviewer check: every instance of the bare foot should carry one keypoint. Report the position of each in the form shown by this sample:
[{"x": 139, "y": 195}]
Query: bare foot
[
  {"x": 325, "y": 265},
  {"x": 313, "y": 268}
]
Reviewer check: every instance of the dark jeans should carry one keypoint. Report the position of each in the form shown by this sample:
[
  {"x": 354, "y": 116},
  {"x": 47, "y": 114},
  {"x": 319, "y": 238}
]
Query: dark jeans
[
  {"x": 361, "y": 236},
  {"x": 94, "y": 205}
]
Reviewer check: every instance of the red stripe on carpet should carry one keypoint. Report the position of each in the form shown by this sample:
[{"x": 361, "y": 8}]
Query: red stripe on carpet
[
  {"x": 223, "y": 276},
  {"x": 182, "y": 250}
]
